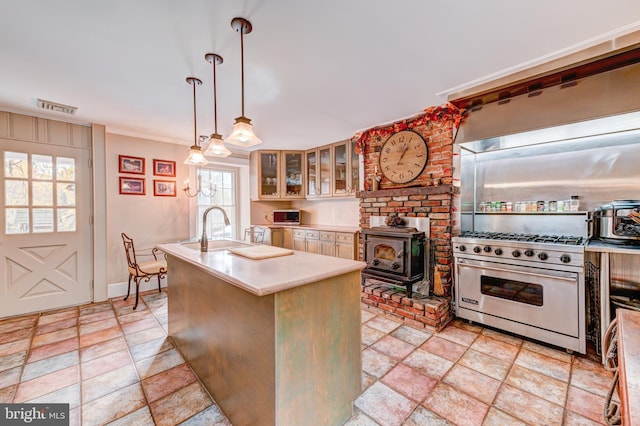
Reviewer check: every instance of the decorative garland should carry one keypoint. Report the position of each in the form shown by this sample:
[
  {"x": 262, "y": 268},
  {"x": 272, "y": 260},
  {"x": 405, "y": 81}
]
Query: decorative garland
[{"x": 437, "y": 114}]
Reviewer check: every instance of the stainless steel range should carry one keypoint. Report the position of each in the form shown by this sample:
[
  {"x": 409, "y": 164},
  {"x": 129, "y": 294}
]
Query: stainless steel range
[{"x": 531, "y": 285}]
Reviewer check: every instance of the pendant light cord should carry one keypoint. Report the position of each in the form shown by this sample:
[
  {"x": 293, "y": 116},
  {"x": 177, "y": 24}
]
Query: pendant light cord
[
  {"x": 242, "y": 63},
  {"x": 195, "y": 127},
  {"x": 215, "y": 108}
]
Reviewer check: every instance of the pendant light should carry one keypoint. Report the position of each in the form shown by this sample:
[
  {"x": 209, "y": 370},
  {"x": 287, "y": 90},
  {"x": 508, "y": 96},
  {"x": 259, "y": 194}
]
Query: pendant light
[
  {"x": 242, "y": 133},
  {"x": 216, "y": 146},
  {"x": 195, "y": 157}
]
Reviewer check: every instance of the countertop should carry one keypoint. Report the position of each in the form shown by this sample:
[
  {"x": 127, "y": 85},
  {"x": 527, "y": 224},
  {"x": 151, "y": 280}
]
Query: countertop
[
  {"x": 603, "y": 247},
  {"x": 264, "y": 276},
  {"x": 629, "y": 364},
  {"x": 331, "y": 228}
]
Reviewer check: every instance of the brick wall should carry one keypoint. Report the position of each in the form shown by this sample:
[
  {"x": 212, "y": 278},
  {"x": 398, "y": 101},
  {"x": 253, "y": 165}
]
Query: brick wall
[{"x": 429, "y": 195}]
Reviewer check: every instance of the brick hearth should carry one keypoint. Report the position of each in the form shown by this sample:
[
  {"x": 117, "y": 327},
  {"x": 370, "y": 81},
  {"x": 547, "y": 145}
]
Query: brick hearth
[{"x": 419, "y": 311}]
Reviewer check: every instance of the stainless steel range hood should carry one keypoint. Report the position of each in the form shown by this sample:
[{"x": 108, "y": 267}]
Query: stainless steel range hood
[{"x": 604, "y": 103}]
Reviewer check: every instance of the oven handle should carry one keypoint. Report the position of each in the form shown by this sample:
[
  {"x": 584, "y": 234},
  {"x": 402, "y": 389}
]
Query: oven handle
[{"x": 493, "y": 268}]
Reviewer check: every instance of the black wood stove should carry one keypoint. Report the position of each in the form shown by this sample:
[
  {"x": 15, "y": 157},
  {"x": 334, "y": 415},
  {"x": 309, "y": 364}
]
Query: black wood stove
[{"x": 394, "y": 254}]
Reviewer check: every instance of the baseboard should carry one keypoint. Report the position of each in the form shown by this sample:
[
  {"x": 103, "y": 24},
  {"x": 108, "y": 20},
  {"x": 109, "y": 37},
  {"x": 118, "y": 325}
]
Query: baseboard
[{"x": 120, "y": 289}]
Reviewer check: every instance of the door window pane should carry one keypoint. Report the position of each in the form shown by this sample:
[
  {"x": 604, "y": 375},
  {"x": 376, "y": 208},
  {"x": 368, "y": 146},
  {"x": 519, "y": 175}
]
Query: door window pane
[
  {"x": 66, "y": 169},
  {"x": 17, "y": 221},
  {"x": 42, "y": 167},
  {"x": 42, "y": 220},
  {"x": 15, "y": 165},
  {"x": 16, "y": 193},
  {"x": 42, "y": 193},
  {"x": 66, "y": 220},
  {"x": 66, "y": 193}
]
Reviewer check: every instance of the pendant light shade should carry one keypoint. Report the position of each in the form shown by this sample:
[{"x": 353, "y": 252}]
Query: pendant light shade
[
  {"x": 216, "y": 146},
  {"x": 242, "y": 134},
  {"x": 195, "y": 157}
]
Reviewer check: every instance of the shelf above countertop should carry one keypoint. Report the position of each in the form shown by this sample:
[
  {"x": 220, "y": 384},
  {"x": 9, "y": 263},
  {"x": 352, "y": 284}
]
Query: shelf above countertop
[
  {"x": 603, "y": 247},
  {"x": 578, "y": 213}
]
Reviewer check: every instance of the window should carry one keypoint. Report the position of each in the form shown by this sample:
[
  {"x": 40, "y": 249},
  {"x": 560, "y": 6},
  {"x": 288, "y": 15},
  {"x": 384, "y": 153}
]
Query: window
[
  {"x": 39, "y": 193},
  {"x": 218, "y": 189}
]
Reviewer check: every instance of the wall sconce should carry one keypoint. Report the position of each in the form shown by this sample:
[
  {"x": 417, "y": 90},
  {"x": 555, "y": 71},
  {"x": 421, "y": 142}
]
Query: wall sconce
[
  {"x": 195, "y": 157},
  {"x": 216, "y": 146},
  {"x": 242, "y": 133}
]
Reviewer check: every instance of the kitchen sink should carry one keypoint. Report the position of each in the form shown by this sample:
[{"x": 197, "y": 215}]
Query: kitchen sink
[{"x": 216, "y": 244}]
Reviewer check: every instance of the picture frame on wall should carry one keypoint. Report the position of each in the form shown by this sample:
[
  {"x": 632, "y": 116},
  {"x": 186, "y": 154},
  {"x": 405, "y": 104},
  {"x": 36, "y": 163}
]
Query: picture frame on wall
[
  {"x": 164, "y": 168},
  {"x": 164, "y": 188},
  {"x": 132, "y": 186},
  {"x": 127, "y": 164}
]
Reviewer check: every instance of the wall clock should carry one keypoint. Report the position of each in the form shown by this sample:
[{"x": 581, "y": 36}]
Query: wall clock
[{"x": 403, "y": 156}]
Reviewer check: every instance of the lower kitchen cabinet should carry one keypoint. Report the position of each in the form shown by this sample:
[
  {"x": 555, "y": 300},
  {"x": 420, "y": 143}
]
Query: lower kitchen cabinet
[
  {"x": 319, "y": 241},
  {"x": 306, "y": 240},
  {"x": 346, "y": 245},
  {"x": 328, "y": 243}
]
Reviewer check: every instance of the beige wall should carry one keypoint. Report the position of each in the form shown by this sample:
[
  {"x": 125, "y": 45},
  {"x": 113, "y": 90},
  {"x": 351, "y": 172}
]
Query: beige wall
[
  {"x": 330, "y": 211},
  {"x": 145, "y": 218},
  {"x": 149, "y": 219}
]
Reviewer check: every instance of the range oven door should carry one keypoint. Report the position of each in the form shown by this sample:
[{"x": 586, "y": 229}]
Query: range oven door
[{"x": 529, "y": 296}]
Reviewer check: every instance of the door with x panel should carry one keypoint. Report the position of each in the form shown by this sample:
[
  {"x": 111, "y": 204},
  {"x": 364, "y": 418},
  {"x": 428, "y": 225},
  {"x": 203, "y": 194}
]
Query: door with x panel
[{"x": 46, "y": 247}]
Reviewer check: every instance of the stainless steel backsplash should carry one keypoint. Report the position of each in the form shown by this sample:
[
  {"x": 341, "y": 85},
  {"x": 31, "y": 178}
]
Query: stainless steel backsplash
[{"x": 598, "y": 169}]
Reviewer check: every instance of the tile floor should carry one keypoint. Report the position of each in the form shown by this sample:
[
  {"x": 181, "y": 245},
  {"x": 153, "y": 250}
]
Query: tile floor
[{"x": 116, "y": 366}]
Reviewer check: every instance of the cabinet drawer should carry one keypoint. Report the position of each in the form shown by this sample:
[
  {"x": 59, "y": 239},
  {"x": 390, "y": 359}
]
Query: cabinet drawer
[
  {"x": 298, "y": 233},
  {"x": 327, "y": 236},
  {"x": 342, "y": 237},
  {"x": 312, "y": 235}
]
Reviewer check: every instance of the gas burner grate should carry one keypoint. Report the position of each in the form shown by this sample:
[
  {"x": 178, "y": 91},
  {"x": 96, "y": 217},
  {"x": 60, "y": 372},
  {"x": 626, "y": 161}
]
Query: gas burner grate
[{"x": 536, "y": 238}]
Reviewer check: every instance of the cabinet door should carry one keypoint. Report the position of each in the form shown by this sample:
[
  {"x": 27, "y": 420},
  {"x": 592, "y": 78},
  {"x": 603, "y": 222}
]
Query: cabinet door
[
  {"x": 287, "y": 238},
  {"x": 275, "y": 237},
  {"x": 269, "y": 184},
  {"x": 299, "y": 242},
  {"x": 328, "y": 243},
  {"x": 354, "y": 168},
  {"x": 313, "y": 246},
  {"x": 312, "y": 170},
  {"x": 313, "y": 241},
  {"x": 292, "y": 174},
  {"x": 324, "y": 172},
  {"x": 340, "y": 175},
  {"x": 345, "y": 245}
]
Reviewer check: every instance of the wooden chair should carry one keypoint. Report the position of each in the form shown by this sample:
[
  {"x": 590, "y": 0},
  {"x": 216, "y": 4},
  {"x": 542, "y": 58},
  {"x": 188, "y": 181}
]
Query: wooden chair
[{"x": 142, "y": 270}]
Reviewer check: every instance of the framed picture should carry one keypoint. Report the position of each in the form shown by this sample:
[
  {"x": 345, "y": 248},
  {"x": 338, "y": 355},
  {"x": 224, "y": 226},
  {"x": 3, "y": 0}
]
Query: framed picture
[
  {"x": 164, "y": 188},
  {"x": 164, "y": 168},
  {"x": 132, "y": 186},
  {"x": 131, "y": 164}
]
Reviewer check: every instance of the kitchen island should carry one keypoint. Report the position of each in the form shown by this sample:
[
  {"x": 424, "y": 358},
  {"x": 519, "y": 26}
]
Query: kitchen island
[{"x": 276, "y": 341}]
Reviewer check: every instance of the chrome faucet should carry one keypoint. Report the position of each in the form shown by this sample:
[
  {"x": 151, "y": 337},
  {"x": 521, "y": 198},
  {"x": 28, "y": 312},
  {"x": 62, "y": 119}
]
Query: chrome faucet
[{"x": 204, "y": 241}]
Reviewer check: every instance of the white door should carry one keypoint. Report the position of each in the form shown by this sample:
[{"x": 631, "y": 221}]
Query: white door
[{"x": 46, "y": 245}]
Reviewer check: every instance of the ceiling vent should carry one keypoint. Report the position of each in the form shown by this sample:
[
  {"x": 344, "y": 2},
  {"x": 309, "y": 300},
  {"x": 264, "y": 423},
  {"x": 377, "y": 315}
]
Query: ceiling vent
[{"x": 52, "y": 106}]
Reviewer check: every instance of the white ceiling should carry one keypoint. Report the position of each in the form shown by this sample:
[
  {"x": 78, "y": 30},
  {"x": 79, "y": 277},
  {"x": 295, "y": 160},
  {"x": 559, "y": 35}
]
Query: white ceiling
[{"x": 315, "y": 71}]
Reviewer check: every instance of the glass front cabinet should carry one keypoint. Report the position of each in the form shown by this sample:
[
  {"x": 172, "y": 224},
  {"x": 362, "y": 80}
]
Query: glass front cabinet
[
  {"x": 333, "y": 170},
  {"x": 277, "y": 174},
  {"x": 346, "y": 169}
]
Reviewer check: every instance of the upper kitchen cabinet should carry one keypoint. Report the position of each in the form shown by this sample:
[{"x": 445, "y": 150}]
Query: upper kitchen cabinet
[
  {"x": 332, "y": 170},
  {"x": 277, "y": 175},
  {"x": 346, "y": 173}
]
